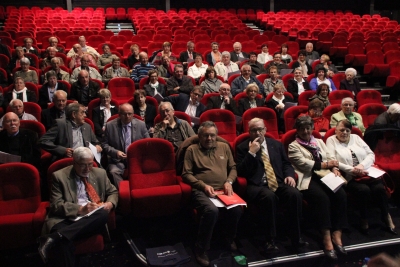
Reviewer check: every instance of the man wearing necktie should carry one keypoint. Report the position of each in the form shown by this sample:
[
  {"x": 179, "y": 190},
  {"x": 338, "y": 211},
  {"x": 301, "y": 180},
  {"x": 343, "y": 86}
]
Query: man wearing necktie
[
  {"x": 237, "y": 54},
  {"x": 119, "y": 134},
  {"x": 269, "y": 174},
  {"x": 76, "y": 191},
  {"x": 188, "y": 54},
  {"x": 224, "y": 100}
]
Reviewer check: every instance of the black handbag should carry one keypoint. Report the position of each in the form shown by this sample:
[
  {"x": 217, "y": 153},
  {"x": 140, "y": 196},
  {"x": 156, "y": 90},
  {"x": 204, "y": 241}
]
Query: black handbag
[
  {"x": 228, "y": 260},
  {"x": 167, "y": 256}
]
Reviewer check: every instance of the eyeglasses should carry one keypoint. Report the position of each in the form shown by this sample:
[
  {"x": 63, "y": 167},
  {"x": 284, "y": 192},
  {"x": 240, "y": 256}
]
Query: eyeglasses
[
  {"x": 83, "y": 165},
  {"x": 256, "y": 130}
]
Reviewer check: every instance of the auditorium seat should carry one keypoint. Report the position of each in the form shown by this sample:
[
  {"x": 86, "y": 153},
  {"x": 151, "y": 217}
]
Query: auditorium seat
[
  {"x": 370, "y": 112},
  {"x": 365, "y": 97}
]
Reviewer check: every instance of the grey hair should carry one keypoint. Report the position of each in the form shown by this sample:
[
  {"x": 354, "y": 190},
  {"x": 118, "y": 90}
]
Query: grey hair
[
  {"x": 347, "y": 99},
  {"x": 82, "y": 153},
  {"x": 394, "y": 109},
  {"x": 255, "y": 120},
  {"x": 353, "y": 70},
  {"x": 207, "y": 124},
  {"x": 25, "y": 60},
  {"x": 303, "y": 121},
  {"x": 245, "y": 65},
  {"x": 226, "y": 53},
  {"x": 15, "y": 100},
  {"x": 60, "y": 92},
  {"x": 72, "y": 108},
  {"x": 164, "y": 103},
  {"x": 103, "y": 93},
  {"x": 54, "y": 59}
]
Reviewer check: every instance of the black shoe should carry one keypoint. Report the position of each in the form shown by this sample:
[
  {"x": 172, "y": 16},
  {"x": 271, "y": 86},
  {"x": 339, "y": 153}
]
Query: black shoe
[
  {"x": 391, "y": 230},
  {"x": 300, "y": 243},
  {"x": 339, "y": 248},
  {"x": 330, "y": 254},
  {"x": 201, "y": 256},
  {"x": 270, "y": 247},
  {"x": 46, "y": 243}
]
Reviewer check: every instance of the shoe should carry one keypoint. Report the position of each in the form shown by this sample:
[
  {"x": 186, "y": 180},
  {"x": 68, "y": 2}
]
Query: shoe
[
  {"x": 201, "y": 256},
  {"x": 46, "y": 243},
  {"x": 330, "y": 254},
  {"x": 232, "y": 246},
  {"x": 300, "y": 243},
  {"x": 392, "y": 230},
  {"x": 270, "y": 247},
  {"x": 339, "y": 248},
  {"x": 390, "y": 226}
]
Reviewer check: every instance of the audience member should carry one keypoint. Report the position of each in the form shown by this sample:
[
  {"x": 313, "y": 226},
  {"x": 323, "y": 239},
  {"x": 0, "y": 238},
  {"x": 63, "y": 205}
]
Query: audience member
[
  {"x": 347, "y": 113},
  {"x": 297, "y": 85},
  {"x": 215, "y": 56},
  {"x": 256, "y": 67},
  {"x": 277, "y": 62},
  {"x": 25, "y": 73},
  {"x": 322, "y": 94},
  {"x": 106, "y": 57},
  {"x": 198, "y": 69},
  {"x": 19, "y": 92},
  {"x": 240, "y": 83},
  {"x": 286, "y": 58},
  {"x": 315, "y": 109},
  {"x": 251, "y": 100},
  {"x": 115, "y": 71},
  {"x": 140, "y": 71},
  {"x": 93, "y": 73},
  {"x": 84, "y": 90},
  {"x": 147, "y": 112},
  {"x": 102, "y": 113},
  {"x": 53, "y": 42},
  {"x": 224, "y": 100},
  {"x": 17, "y": 107},
  {"x": 351, "y": 83},
  {"x": 55, "y": 66},
  {"x": 153, "y": 86},
  {"x": 15, "y": 62},
  {"x": 166, "y": 68},
  {"x": 179, "y": 83},
  {"x": 321, "y": 77},
  {"x": 277, "y": 103},
  {"x": 269, "y": 83},
  {"x": 188, "y": 54},
  {"x": 46, "y": 92},
  {"x": 166, "y": 51},
  {"x": 81, "y": 58},
  {"x": 85, "y": 48},
  {"x": 311, "y": 55},
  {"x": 133, "y": 58},
  {"x": 211, "y": 83},
  {"x": 127, "y": 128},
  {"x": 190, "y": 104},
  {"x": 302, "y": 63},
  {"x": 51, "y": 53},
  {"x": 264, "y": 56},
  {"x": 237, "y": 55},
  {"x": 28, "y": 48},
  {"x": 225, "y": 66},
  {"x": 389, "y": 117},
  {"x": 57, "y": 111},
  {"x": 325, "y": 63}
]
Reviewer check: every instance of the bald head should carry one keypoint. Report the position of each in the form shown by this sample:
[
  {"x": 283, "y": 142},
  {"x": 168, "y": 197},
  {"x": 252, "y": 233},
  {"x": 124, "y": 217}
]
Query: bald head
[
  {"x": 83, "y": 78},
  {"x": 11, "y": 123},
  {"x": 143, "y": 57}
]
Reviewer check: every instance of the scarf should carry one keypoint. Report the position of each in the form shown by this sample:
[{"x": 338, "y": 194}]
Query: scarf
[
  {"x": 24, "y": 96},
  {"x": 352, "y": 119},
  {"x": 216, "y": 57},
  {"x": 311, "y": 146},
  {"x": 280, "y": 101}
]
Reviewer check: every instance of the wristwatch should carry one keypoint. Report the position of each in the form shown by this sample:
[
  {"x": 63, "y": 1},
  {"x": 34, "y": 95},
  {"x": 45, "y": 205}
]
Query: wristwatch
[{"x": 229, "y": 182}]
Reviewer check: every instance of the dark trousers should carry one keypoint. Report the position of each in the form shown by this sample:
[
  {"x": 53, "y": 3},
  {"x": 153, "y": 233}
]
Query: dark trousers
[
  {"x": 365, "y": 192},
  {"x": 208, "y": 217},
  {"x": 73, "y": 231},
  {"x": 268, "y": 201},
  {"x": 328, "y": 209}
]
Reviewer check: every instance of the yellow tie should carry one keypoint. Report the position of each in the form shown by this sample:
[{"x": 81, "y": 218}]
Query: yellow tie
[{"x": 269, "y": 171}]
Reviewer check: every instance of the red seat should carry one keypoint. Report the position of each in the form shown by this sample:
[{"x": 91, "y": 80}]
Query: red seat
[
  {"x": 286, "y": 78},
  {"x": 305, "y": 96},
  {"x": 95, "y": 40},
  {"x": 224, "y": 120},
  {"x": 375, "y": 65},
  {"x": 335, "y": 97},
  {"x": 118, "y": 41},
  {"x": 368, "y": 97},
  {"x": 106, "y": 34},
  {"x": 390, "y": 46},
  {"x": 356, "y": 56},
  {"x": 146, "y": 80},
  {"x": 337, "y": 78},
  {"x": 179, "y": 114},
  {"x": 324, "y": 42},
  {"x": 268, "y": 115},
  {"x": 329, "y": 110},
  {"x": 370, "y": 112},
  {"x": 70, "y": 40},
  {"x": 339, "y": 47},
  {"x": 373, "y": 46},
  {"x": 279, "y": 40},
  {"x": 249, "y": 46},
  {"x": 291, "y": 115},
  {"x": 121, "y": 89},
  {"x": 22, "y": 212}
]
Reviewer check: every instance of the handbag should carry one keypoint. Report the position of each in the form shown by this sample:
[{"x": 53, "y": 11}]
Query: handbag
[
  {"x": 228, "y": 260},
  {"x": 167, "y": 256},
  {"x": 384, "y": 178}
]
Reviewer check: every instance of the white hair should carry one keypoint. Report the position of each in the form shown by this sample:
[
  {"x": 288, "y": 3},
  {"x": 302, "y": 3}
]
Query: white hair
[
  {"x": 394, "y": 109},
  {"x": 348, "y": 70},
  {"x": 347, "y": 99},
  {"x": 82, "y": 153},
  {"x": 226, "y": 53}
]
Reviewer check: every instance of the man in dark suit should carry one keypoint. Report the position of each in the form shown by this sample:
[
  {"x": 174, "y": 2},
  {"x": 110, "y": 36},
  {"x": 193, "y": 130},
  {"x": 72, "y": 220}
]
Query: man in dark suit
[
  {"x": 57, "y": 111},
  {"x": 49, "y": 88},
  {"x": 256, "y": 67},
  {"x": 269, "y": 174},
  {"x": 189, "y": 104},
  {"x": 21, "y": 142},
  {"x": 69, "y": 133},
  {"x": 28, "y": 48},
  {"x": 179, "y": 83},
  {"x": 76, "y": 191},
  {"x": 84, "y": 90},
  {"x": 240, "y": 83},
  {"x": 224, "y": 100},
  {"x": 119, "y": 134},
  {"x": 188, "y": 54},
  {"x": 237, "y": 54}
]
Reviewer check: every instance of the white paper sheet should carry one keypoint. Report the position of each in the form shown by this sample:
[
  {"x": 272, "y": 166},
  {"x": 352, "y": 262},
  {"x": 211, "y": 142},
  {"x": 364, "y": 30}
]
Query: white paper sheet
[
  {"x": 7, "y": 158},
  {"x": 218, "y": 203},
  {"x": 332, "y": 181},
  {"x": 97, "y": 155},
  {"x": 375, "y": 172},
  {"x": 87, "y": 215}
]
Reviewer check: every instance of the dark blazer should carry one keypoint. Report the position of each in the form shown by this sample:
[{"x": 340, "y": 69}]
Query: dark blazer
[
  {"x": 186, "y": 86},
  {"x": 354, "y": 88},
  {"x": 49, "y": 117},
  {"x": 293, "y": 88},
  {"x": 272, "y": 104},
  {"x": 98, "y": 119},
  {"x": 256, "y": 68},
  {"x": 132, "y": 61},
  {"x": 76, "y": 92},
  {"x": 244, "y": 104},
  {"x": 252, "y": 168},
  {"x": 161, "y": 89},
  {"x": 27, "y": 148},
  {"x": 181, "y": 102},
  {"x": 44, "y": 95},
  {"x": 149, "y": 115},
  {"x": 114, "y": 141},
  {"x": 183, "y": 56},
  {"x": 309, "y": 68},
  {"x": 13, "y": 63},
  {"x": 209, "y": 59},
  {"x": 59, "y": 138},
  {"x": 235, "y": 58},
  {"x": 215, "y": 102},
  {"x": 30, "y": 95}
]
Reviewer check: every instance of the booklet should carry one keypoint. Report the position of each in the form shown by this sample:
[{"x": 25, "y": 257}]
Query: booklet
[
  {"x": 222, "y": 200},
  {"x": 375, "y": 172},
  {"x": 332, "y": 181},
  {"x": 7, "y": 158},
  {"x": 87, "y": 214}
]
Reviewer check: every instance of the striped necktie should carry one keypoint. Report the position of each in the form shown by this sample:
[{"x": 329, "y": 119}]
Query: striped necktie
[{"x": 269, "y": 172}]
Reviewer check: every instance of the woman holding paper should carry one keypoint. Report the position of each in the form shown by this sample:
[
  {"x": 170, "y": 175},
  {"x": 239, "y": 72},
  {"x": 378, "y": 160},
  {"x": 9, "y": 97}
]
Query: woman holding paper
[
  {"x": 312, "y": 161},
  {"x": 355, "y": 157}
]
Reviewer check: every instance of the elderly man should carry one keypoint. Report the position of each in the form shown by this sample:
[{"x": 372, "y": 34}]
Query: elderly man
[
  {"x": 237, "y": 55},
  {"x": 240, "y": 83},
  {"x": 389, "y": 117},
  {"x": 85, "y": 48},
  {"x": 119, "y": 134},
  {"x": 17, "y": 107},
  {"x": 171, "y": 128},
  {"x": 208, "y": 167},
  {"x": 48, "y": 89},
  {"x": 51, "y": 53},
  {"x": 55, "y": 66},
  {"x": 76, "y": 191},
  {"x": 15, "y": 62},
  {"x": 28, "y": 48},
  {"x": 277, "y": 62},
  {"x": 76, "y": 59},
  {"x": 93, "y": 73},
  {"x": 188, "y": 54},
  {"x": 115, "y": 71},
  {"x": 84, "y": 90},
  {"x": 256, "y": 67},
  {"x": 106, "y": 58},
  {"x": 311, "y": 55},
  {"x": 141, "y": 70},
  {"x": 21, "y": 142},
  {"x": 179, "y": 83},
  {"x": 57, "y": 111},
  {"x": 348, "y": 113},
  {"x": 269, "y": 174},
  {"x": 53, "y": 42},
  {"x": 224, "y": 100},
  {"x": 226, "y": 66},
  {"x": 269, "y": 83},
  {"x": 69, "y": 133},
  {"x": 190, "y": 104}
]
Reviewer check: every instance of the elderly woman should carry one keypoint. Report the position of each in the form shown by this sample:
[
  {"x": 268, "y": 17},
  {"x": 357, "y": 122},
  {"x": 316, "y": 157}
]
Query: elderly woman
[
  {"x": 166, "y": 69},
  {"x": 215, "y": 56},
  {"x": 297, "y": 85},
  {"x": 25, "y": 73},
  {"x": 15, "y": 62},
  {"x": 315, "y": 109},
  {"x": 226, "y": 66},
  {"x": 211, "y": 83},
  {"x": 146, "y": 112},
  {"x": 264, "y": 56},
  {"x": 133, "y": 58},
  {"x": 347, "y": 113},
  {"x": 102, "y": 113},
  {"x": 198, "y": 69},
  {"x": 302, "y": 63},
  {"x": 166, "y": 51},
  {"x": 251, "y": 101},
  {"x": 53, "y": 42},
  {"x": 389, "y": 117},
  {"x": 28, "y": 47},
  {"x": 106, "y": 57},
  {"x": 351, "y": 83},
  {"x": 154, "y": 87},
  {"x": 313, "y": 160},
  {"x": 325, "y": 63},
  {"x": 277, "y": 103},
  {"x": 269, "y": 83},
  {"x": 355, "y": 157},
  {"x": 48, "y": 89},
  {"x": 19, "y": 92},
  {"x": 321, "y": 77},
  {"x": 285, "y": 57},
  {"x": 322, "y": 94}
]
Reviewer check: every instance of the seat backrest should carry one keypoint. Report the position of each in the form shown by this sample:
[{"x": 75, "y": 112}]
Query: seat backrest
[
  {"x": 368, "y": 97},
  {"x": 335, "y": 97},
  {"x": 355, "y": 48},
  {"x": 267, "y": 114},
  {"x": 370, "y": 112},
  {"x": 337, "y": 78},
  {"x": 291, "y": 115},
  {"x": 329, "y": 110},
  {"x": 224, "y": 120},
  {"x": 121, "y": 87},
  {"x": 304, "y": 98},
  {"x": 31, "y": 108}
]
